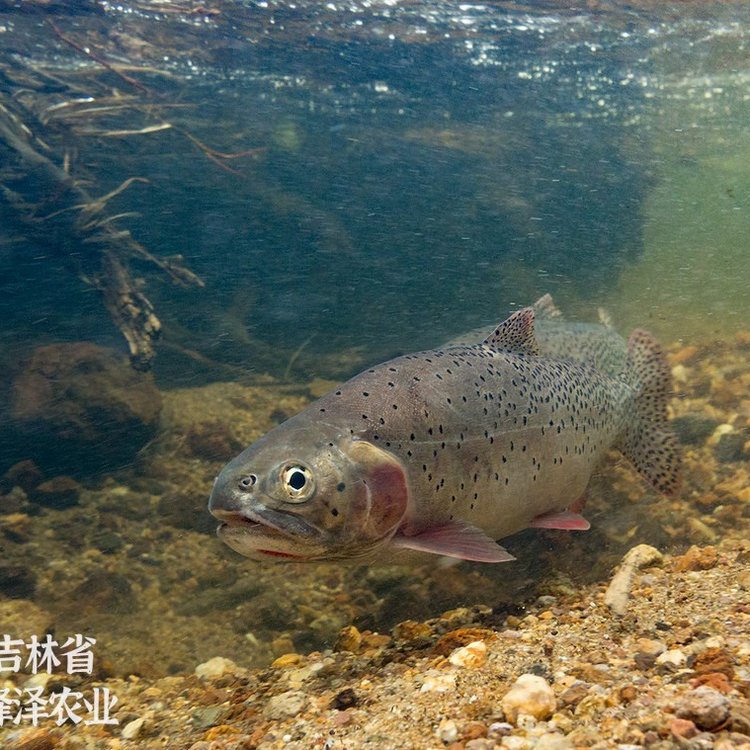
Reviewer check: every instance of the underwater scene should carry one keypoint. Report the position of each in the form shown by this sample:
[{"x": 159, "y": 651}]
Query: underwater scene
[{"x": 375, "y": 374}]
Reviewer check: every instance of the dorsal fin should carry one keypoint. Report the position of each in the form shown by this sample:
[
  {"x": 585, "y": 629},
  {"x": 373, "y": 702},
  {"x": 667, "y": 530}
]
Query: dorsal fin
[
  {"x": 516, "y": 334},
  {"x": 545, "y": 308}
]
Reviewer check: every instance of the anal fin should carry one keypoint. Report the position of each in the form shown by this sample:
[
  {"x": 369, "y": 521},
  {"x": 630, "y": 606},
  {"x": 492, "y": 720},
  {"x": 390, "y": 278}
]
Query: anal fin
[{"x": 563, "y": 519}]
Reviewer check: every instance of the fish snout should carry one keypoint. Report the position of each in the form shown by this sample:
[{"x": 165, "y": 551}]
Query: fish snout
[{"x": 231, "y": 493}]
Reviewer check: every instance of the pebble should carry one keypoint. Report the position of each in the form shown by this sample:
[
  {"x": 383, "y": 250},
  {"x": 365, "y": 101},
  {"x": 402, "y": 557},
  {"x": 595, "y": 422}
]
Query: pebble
[
  {"x": 447, "y": 731},
  {"x": 287, "y": 660},
  {"x": 208, "y": 716},
  {"x": 216, "y": 667},
  {"x": 573, "y": 695},
  {"x": 696, "y": 558},
  {"x": 530, "y": 695},
  {"x": 552, "y": 741},
  {"x": 683, "y": 728},
  {"x": 705, "y": 706},
  {"x": 133, "y": 728},
  {"x": 648, "y": 651},
  {"x": 515, "y": 743},
  {"x": 348, "y": 639},
  {"x": 286, "y": 705},
  {"x": 471, "y": 656},
  {"x": 671, "y": 660},
  {"x": 438, "y": 683}
]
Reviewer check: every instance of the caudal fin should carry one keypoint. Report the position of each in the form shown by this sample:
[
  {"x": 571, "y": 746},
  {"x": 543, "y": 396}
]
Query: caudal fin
[{"x": 648, "y": 441}]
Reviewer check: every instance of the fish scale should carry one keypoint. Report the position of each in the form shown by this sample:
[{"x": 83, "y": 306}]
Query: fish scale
[{"x": 449, "y": 450}]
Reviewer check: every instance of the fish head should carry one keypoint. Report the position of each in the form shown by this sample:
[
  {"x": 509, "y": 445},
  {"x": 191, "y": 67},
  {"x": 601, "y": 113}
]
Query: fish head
[{"x": 306, "y": 493}]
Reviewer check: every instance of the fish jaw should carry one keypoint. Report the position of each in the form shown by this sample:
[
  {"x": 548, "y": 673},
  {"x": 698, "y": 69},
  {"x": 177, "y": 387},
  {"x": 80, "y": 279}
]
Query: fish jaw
[{"x": 260, "y": 542}]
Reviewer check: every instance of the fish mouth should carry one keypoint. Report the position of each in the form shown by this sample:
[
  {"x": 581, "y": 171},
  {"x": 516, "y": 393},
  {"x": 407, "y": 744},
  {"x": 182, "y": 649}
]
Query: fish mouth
[
  {"x": 266, "y": 534},
  {"x": 268, "y": 520}
]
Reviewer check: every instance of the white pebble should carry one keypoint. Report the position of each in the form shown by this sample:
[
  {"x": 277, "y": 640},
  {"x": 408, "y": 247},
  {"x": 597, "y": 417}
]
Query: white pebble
[
  {"x": 132, "y": 729},
  {"x": 216, "y": 667},
  {"x": 672, "y": 659},
  {"x": 471, "y": 656},
  {"x": 553, "y": 741},
  {"x": 530, "y": 695},
  {"x": 447, "y": 731},
  {"x": 438, "y": 683}
]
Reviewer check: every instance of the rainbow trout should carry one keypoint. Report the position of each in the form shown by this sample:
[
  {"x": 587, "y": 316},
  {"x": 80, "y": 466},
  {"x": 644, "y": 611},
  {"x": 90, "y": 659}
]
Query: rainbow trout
[{"x": 447, "y": 451}]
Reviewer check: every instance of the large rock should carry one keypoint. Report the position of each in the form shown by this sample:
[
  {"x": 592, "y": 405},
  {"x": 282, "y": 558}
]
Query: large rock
[{"x": 79, "y": 408}]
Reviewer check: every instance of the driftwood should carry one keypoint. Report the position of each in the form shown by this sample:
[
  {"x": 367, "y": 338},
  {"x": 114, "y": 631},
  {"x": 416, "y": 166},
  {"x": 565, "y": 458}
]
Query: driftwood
[{"x": 103, "y": 250}]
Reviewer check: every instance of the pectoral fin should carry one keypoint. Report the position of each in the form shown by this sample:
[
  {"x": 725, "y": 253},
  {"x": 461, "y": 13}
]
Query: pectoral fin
[
  {"x": 564, "y": 519},
  {"x": 455, "y": 539}
]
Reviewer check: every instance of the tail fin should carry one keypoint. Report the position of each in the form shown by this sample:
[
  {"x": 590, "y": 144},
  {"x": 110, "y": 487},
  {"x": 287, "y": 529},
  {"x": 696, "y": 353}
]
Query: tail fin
[{"x": 648, "y": 441}]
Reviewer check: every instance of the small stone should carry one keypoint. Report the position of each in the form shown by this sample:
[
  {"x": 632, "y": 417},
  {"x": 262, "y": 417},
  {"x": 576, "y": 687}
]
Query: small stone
[
  {"x": 648, "y": 651},
  {"x": 133, "y": 728},
  {"x": 216, "y": 667},
  {"x": 530, "y": 695},
  {"x": 717, "y": 680},
  {"x": 731, "y": 446},
  {"x": 714, "y": 659},
  {"x": 499, "y": 729},
  {"x": 682, "y": 729},
  {"x": 704, "y": 706},
  {"x": 461, "y": 637},
  {"x": 348, "y": 639},
  {"x": 286, "y": 705},
  {"x": 552, "y": 741},
  {"x": 515, "y": 743},
  {"x": 17, "y": 581},
  {"x": 471, "y": 656},
  {"x": 696, "y": 558},
  {"x": 480, "y": 743},
  {"x": 287, "y": 660},
  {"x": 671, "y": 660},
  {"x": 693, "y": 429},
  {"x": 24, "y": 474},
  {"x": 438, "y": 682},
  {"x": 345, "y": 699},
  {"x": 447, "y": 731},
  {"x": 573, "y": 695},
  {"x": 59, "y": 492},
  {"x": 412, "y": 633},
  {"x": 208, "y": 716},
  {"x": 473, "y": 730}
]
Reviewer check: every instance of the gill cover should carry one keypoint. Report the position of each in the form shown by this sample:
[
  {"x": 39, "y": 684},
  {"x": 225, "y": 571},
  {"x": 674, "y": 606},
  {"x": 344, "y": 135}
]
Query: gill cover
[{"x": 381, "y": 496}]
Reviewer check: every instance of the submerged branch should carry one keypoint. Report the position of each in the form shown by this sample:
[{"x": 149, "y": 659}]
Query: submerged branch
[{"x": 105, "y": 265}]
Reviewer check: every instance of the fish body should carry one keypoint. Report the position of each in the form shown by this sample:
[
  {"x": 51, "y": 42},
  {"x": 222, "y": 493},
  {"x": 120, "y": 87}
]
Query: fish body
[{"x": 446, "y": 451}]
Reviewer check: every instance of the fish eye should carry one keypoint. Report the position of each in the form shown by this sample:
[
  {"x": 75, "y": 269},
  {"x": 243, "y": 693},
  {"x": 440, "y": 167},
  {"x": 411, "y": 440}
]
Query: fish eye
[{"x": 297, "y": 481}]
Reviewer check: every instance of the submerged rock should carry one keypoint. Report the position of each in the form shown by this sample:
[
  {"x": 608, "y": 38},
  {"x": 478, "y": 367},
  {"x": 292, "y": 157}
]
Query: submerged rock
[
  {"x": 704, "y": 706},
  {"x": 79, "y": 409},
  {"x": 60, "y": 492},
  {"x": 530, "y": 695}
]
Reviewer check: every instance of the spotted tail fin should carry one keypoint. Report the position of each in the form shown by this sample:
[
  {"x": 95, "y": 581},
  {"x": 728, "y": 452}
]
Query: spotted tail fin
[{"x": 648, "y": 441}]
